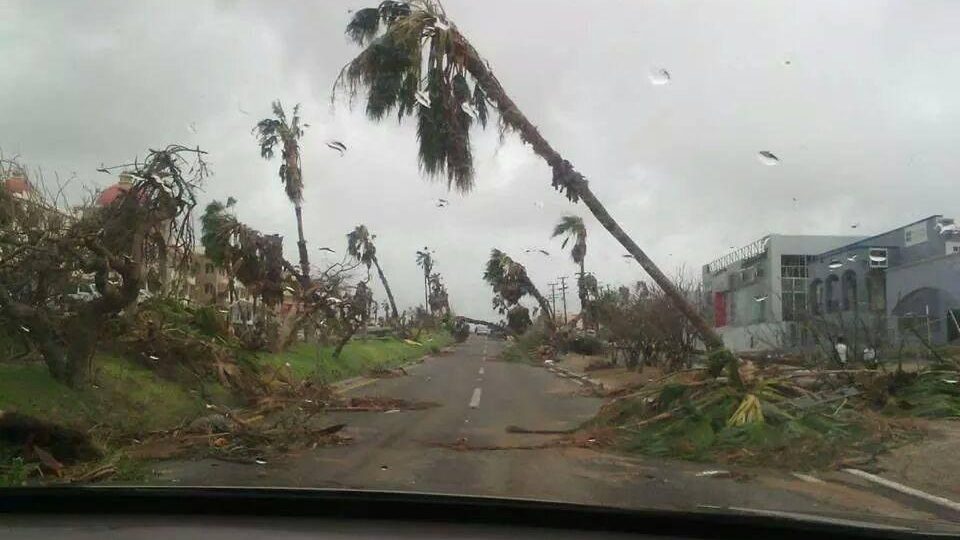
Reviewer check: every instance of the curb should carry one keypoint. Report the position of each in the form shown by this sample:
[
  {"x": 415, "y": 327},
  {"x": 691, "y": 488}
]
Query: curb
[
  {"x": 906, "y": 490},
  {"x": 576, "y": 377},
  {"x": 358, "y": 381}
]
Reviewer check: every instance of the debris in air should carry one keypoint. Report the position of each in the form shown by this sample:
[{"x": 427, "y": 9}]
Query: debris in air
[
  {"x": 855, "y": 225},
  {"x": 326, "y": 249},
  {"x": 260, "y": 461},
  {"x": 422, "y": 98},
  {"x": 852, "y": 258},
  {"x": 834, "y": 264},
  {"x": 192, "y": 127},
  {"x": 768, "y": 158},
  {"x": 442, "y": 202},
  {"x": 25, "y": 329},
  {"x": 384, "y": 467},
  {"x": 659, "y": 77},
  {"x": 760, "y": 298},
  {"x": 538, "y": 250},
  {"x": 338, "y": 146}
]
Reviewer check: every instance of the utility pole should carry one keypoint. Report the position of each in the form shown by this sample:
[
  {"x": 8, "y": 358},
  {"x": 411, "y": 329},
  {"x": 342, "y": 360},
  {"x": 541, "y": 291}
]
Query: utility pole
[
  {"x": 553, "y": 298},
  {"x": 563, "y": 292}
]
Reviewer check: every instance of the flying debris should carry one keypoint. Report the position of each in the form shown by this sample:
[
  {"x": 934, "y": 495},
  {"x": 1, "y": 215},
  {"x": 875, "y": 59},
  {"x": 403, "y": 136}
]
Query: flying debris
[
  {"x": 192, "y": 127},
  {"x": 768, "y": 158},
  {"x": 855, "y": 225},
  {"x": 627, "y": 256},
  {"x": 338, "y": 146},
  {"x": 441, "y": 203},
  {"x": 852, "y": 258},
  {"x": 834, "y": 264},
  {"x": 760, "y": 298},
  {"x": 538, "y": 250},
  {"x": 326, "y": 249}
]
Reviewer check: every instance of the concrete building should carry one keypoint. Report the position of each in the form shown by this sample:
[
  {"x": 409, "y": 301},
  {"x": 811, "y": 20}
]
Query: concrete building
[
  {"x": 755, "y": 295},
  {"x": 897, "y": 284}
]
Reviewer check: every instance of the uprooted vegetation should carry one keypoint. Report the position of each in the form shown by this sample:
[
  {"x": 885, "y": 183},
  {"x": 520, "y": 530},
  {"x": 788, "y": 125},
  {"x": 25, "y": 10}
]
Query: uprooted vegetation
[
  {"x": 789, "y": 418},
  {"x": 177, "y": 383}
]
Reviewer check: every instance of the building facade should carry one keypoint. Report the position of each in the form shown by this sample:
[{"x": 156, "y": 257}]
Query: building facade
[
  {"x": 755, "y": 296},
  {"x": 897, "y": 286}
]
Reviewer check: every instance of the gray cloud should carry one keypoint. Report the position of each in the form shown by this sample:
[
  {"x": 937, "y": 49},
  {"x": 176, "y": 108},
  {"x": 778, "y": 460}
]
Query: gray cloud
[{"x": 857, "y": 99}]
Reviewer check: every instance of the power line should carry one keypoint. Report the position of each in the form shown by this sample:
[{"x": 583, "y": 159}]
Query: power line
[{"x": 563, "y": 292}]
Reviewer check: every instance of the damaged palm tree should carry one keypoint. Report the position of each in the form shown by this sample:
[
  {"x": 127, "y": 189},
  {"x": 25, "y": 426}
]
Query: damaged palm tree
[
  {"x": 47, "y": 251},
  {"x": 360, "y": 246},
  {"x": 510, "y": 284},
  {"x": 275, "y": 131},
  {"x": 417, "y": 63}
]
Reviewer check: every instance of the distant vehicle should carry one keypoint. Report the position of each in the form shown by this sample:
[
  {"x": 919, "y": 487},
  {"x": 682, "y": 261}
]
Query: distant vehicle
[{"x": 482, "y": 331}]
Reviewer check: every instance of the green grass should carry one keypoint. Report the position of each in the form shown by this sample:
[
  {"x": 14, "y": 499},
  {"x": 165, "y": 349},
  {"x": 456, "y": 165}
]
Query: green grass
[
  {"x": 357, "y": 358},
  {"x": 122, "y": 396}
]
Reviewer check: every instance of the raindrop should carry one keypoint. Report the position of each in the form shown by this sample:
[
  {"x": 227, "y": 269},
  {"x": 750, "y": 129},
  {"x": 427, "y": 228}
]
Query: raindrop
[
  {"x": 423, "y": 99},
  {"x": 659, "y": 77},
  {"x": 759, "y": 298},
  {"x": 260, "y": 461},
  {"x": 834, "y": 264},
  {"x": 768, "y": 158},
  {"x": 469, "y": 109}
]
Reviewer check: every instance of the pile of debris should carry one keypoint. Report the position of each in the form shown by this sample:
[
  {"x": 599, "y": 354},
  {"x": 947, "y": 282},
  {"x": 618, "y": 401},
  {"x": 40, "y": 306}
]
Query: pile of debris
[{"x": 779, "y": 414}]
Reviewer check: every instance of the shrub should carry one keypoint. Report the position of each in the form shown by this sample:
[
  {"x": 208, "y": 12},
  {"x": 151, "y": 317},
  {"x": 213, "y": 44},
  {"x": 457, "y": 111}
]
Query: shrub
[{"x": 586, "y": 344}]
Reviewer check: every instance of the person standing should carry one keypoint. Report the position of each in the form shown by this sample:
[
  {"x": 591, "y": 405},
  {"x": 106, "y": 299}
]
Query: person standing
[{"x": 841, "y": 348}]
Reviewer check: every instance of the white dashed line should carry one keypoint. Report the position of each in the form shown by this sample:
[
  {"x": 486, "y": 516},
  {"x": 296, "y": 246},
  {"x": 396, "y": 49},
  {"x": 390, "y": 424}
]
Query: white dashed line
[
  {"x": 481, "y": 371},
  {"x": 475, "y": 399}
]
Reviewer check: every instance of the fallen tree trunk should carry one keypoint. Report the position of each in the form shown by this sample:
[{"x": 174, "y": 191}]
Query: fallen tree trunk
[{"x": 65, "y": 444}]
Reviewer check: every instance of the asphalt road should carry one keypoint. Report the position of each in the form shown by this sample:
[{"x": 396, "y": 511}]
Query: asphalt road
[{"x": 478, "y": 397}]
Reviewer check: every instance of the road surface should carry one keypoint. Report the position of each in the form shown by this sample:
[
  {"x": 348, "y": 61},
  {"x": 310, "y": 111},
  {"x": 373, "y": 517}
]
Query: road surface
[{"x": 479, "y": 397}]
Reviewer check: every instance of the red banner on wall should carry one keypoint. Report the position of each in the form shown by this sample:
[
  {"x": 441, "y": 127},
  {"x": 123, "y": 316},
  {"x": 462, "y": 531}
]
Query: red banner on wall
[{"x": 719, "y": 309}]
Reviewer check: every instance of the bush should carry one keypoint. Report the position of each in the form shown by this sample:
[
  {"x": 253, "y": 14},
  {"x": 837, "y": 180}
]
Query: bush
[{"x": 587, "y": 345}]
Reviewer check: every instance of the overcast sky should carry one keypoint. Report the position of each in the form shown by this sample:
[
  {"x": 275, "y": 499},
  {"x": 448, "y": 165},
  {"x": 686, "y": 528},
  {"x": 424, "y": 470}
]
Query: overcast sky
[{"x": 859, "y": 100}]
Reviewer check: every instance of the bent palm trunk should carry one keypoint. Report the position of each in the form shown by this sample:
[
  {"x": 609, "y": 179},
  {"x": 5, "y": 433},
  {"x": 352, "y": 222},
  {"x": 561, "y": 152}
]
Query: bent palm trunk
[
  {"x": 386, "y": 287},
  {"x": 544, "y": 306},
  {"x": 564, "y": 176}
]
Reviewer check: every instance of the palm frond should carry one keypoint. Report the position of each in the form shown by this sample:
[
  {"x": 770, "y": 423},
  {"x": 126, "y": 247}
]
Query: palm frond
[{"x": 364, "y": 25}]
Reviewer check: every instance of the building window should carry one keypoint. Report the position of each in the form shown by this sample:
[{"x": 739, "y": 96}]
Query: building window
[
  {"x": 877, "y": 290},
  {"x": 849, "y": 290},
  {"x": 832, "y": 292},
  {"x": 816, "y": 297},
  {"x": 793, "y": 286},
  {"x": 209, "y": 268}
]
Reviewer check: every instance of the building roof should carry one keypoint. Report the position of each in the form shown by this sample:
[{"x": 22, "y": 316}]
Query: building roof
[
  {"x": 16, "y": 185},
  {"x": 111, "y": 194}
]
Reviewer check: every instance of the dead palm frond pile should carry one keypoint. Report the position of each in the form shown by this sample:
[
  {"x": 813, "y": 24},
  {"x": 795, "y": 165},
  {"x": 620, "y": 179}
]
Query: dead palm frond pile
[{"x": 767, "y": 419}]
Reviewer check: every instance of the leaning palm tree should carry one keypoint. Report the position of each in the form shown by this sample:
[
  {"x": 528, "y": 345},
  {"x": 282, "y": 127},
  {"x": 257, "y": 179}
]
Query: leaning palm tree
[
  {"x": 510, "y": 283},
  {"x": 418, "y": 63},
  {"x": 573, "y": 228},
  {"x": 360, "y": 246},
  {"x": 425, "y": 262},
  {"x": 278, "y": 130}
]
